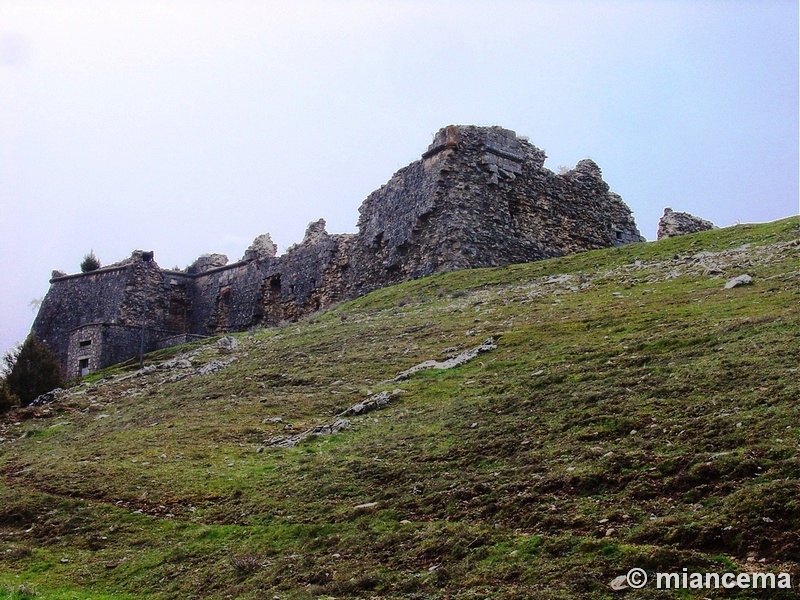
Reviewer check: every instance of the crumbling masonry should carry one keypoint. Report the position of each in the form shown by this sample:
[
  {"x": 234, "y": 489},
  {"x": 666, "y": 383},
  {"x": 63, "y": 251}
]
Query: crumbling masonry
[{"x": 478, "y": 197}]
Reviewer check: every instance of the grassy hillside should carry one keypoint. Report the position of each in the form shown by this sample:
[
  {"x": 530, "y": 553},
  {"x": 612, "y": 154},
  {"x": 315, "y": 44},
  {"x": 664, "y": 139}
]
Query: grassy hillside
[{"x": 635, "y": 413}]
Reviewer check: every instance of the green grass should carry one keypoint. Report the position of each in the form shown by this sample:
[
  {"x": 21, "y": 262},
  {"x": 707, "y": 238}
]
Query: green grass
[{"x": 634, "y": 413}]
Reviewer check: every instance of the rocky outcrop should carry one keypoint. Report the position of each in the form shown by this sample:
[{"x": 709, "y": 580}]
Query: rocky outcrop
[
  {"x": 450, "y": 363},
  {"x": 672, "y": 224},
  {"x": 477, "y": 197}
]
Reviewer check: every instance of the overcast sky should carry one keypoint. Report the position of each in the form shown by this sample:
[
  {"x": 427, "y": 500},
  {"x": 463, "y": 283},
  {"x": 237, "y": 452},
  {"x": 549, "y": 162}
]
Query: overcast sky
[{"x": 192, "y": 127}]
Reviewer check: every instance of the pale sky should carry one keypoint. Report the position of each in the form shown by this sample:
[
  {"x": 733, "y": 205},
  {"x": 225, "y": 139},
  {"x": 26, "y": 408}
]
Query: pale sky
[{"x": 192, "y": 127}]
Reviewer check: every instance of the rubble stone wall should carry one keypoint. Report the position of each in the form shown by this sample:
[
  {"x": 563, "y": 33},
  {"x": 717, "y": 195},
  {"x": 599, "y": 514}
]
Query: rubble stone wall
[
  {"x": 477, "y": 197},
  {"x": 673, "y": 223}
]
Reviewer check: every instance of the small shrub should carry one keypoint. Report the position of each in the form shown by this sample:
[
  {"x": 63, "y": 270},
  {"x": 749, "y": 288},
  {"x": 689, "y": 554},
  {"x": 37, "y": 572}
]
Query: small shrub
[
  {"x": 90, "y": 262},
  {"x": 246, "y": 563},
  {"x": 8, "y": 399}
]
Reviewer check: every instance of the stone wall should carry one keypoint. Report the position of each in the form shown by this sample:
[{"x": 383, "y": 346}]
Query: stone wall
[
  {"x": 477, "y": 197},
  {"x": 263, "y": 289},
  {"x": 673, "y": 223},
  {"x": 311, "y": 275},
  {"x": 98, "y": 316},
  {"x": 97, "y": 345},
  {"x": 76, "y": 300}
]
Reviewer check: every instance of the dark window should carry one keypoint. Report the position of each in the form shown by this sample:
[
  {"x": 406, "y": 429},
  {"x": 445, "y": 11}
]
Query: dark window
[{"x": 85, "y": 343}]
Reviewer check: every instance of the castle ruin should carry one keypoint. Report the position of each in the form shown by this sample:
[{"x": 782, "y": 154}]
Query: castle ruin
[{"x": 477, "y": 197}]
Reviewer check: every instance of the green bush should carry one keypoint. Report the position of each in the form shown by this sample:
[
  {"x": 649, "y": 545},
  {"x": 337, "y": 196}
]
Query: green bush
[
  {"x": 32, "y": 371},
  {"x": 90, "y": 262},
  {"x": 7, "y": 399}
]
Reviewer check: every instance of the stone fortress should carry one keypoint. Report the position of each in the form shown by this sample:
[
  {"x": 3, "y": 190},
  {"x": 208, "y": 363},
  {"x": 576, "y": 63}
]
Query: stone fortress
[{"x": 477, "y": 197}]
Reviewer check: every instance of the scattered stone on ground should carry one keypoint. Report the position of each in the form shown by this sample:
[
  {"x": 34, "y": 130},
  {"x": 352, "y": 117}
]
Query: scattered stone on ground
[
  {"x": 456, "y": 361},
  {"x": 619, "y": 583},
  {"x": 744, "y": 279},
  {"x": 374, "y": 402},
  {"x": 214, "y": 366},
  {"x": 49, "y": 397},
  {"x": 227, "y": 344},
  {"x": 328, "y": 429},
  {"x": 176, "y": 363}
]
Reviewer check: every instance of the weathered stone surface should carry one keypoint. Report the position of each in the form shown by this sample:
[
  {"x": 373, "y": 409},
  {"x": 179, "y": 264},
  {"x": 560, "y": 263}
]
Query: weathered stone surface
[
  {"x": 450, "y": 363},
  {"x": 482, "y": 197},
  {"x": 318, "y": 430},
  {"x": 213, "y": 367},
  {"x": 739, "y": 281},
  {"x": 478, "y": 197},
  {"x": 49, "y": 397},
  {"x": 619, "y": 583},
  {"x": 374, "y": 402},
  {"x": 262, "y": 247},
  {"x": 227, "y": 343},
  {"x": 672, "y": 224},
  {"x": 206, "y": 262},
  {"x": 176, "y": 363}
]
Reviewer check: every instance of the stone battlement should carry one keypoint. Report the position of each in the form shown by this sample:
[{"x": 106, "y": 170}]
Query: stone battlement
[{"x": 478, "y": 197}]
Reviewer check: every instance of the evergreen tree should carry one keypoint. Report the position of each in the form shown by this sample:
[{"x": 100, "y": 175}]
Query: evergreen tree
[
  {"x": 7, "y": 399},
  {"x": 90, "y": 262},
  {"x": 34, "y": 371}
]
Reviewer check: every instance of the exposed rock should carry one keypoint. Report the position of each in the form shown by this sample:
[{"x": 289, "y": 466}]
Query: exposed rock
[
  {"x": 738, "y": 281},
  {"x": 329, "y": 429},
  {"x": 176, "y": 363},
  {"x": 49, "y": 397},
  {"x": 673, "y": 224},
  {"x": 374, "y": 402},
  {"x": 227, "y": 344},
  {"x": 146, "y": 370},
  {"x": 206, "y": 262},
  {"x": 456, "y": 361},
  {"x": 214, "y": 366},
  {"x": 619, "y": 583},
  {"x": 262, "y": 248}
]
